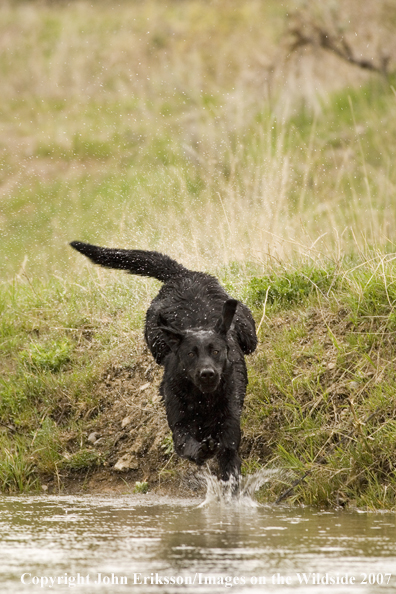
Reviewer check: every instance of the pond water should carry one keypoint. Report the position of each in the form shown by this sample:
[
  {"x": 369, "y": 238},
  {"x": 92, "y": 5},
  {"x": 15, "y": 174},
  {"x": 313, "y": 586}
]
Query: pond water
[{"x": 146, "y": 543}]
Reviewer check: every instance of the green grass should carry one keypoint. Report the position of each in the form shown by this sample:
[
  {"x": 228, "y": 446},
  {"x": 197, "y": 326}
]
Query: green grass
[
  {"x": 17, "y": 472},
  {"x": 321, "y": 395},
  {"x": 322, "y": 390},
  {"x": 292, "y": 287},
  {"x": 113, "y": 114},
  {"x": 48, "y": 357},
  {"x": 141, "y": 487},
  {"x": 185, "y": 127},
  {"x": 56, "y": 341}
]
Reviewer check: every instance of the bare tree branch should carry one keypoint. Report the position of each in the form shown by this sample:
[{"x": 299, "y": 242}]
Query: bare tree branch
[{"x": 303, "y": 31}]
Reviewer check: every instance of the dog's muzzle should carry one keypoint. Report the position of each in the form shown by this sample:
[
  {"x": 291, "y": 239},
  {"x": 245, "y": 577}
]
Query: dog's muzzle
[{"x": 207, "y": 379}]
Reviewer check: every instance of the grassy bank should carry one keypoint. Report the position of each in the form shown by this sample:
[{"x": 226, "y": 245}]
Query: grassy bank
[
  {"x": 200, "y": 129},
  {"x": 321, "y": 398}
]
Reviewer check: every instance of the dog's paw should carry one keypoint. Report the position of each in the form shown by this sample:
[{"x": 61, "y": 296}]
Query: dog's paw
[
  {"x": 211, "y": 444},
  {"x": 207, "y": 449}
]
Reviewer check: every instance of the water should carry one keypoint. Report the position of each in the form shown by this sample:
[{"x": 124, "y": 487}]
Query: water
[
  {"x": 235, "y": 546},
  {"x": 239, "y": 494}
]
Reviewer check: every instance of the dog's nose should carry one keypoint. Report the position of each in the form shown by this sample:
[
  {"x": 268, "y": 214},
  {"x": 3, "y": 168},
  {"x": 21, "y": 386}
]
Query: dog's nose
[{"x": 207, "y": 373}]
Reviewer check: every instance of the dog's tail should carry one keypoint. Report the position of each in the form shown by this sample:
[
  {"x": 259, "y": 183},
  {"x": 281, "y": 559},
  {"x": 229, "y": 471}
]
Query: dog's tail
[{"x": 139, "y": 262}]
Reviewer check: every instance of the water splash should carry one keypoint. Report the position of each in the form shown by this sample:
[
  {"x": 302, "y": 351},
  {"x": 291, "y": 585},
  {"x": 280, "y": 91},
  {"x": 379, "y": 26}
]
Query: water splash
[{"x": 232, "y": 493}]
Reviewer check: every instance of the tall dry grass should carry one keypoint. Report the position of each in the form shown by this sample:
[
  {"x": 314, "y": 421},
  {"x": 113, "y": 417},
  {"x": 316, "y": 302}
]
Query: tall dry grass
[{"x": 186, "y": 128}]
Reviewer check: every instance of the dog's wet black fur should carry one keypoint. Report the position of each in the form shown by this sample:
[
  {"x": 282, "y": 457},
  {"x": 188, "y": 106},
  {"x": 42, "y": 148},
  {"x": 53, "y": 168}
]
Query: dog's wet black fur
[{"x": 200, "y": 336}]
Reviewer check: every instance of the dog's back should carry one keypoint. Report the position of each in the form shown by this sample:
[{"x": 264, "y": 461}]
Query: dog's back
[
  {"x": 187, "y": 299},
  {"x": 195, "y": 300}
]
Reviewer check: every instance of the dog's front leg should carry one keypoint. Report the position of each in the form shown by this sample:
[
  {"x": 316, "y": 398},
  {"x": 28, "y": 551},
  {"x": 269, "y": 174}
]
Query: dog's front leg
[
  {"x": 185, "y": 445},
  {"x": 227, "y": 455},
  {"x": 229, "y": 464},
  {"x": 188, "y": 447}
]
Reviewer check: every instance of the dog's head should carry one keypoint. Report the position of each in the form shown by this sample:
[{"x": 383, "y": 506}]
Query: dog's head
[{"x": 202, "y": 353}]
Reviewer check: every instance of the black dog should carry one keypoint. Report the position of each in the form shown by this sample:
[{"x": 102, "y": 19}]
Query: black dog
[{"x": 200, "y": 336}]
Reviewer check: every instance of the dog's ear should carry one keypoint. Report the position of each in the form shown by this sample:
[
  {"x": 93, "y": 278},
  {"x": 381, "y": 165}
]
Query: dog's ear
[
  {"x": 172, "y": 336},
  {"x": 233, "y": 355},
  {"x": 223, "y": 324}
]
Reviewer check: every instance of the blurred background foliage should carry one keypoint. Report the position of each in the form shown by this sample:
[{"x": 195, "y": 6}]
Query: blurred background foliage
[{"x": 216, "y": 131}]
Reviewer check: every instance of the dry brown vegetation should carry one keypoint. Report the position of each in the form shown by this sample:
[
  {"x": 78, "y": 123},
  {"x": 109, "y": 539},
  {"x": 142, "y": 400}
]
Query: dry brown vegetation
[{"x": 208, "y": 124}]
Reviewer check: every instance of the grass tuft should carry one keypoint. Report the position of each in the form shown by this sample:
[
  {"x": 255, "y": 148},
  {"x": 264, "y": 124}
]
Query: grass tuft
[
  {"x": 291, "y": 287},
  {"x": 52, "y": 356}
]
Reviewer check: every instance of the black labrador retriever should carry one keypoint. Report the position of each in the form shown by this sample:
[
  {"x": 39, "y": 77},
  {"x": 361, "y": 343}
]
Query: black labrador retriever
[{"x": 200, "y": 336}]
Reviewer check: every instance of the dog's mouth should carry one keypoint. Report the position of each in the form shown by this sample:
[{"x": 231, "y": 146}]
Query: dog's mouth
[{"x": 207, "y": 385}]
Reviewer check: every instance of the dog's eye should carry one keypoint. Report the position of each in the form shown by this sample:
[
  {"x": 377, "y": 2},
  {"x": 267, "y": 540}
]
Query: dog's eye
[
  {"x": 215, "y": 352},
  {"x": 191, "y": 354}
]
